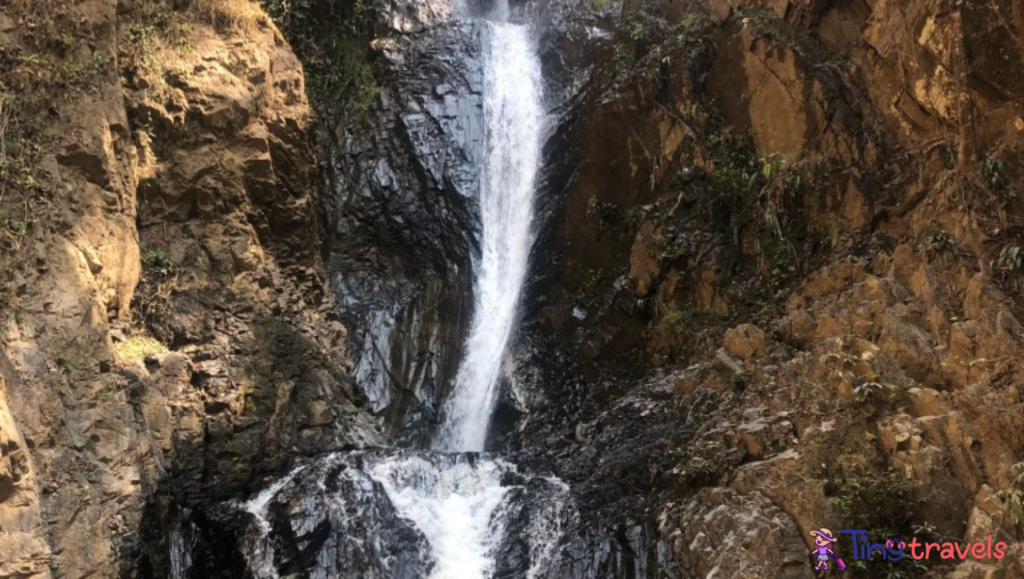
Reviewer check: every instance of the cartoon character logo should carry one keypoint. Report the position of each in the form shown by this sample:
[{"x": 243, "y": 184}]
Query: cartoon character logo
[{"x": 823, "y": 541}]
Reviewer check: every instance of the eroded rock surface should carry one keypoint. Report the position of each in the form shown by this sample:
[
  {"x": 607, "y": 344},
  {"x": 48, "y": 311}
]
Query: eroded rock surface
[
  {"x": 403, "y": 210},
  {"x": 168, "y": 335},
  {"x": 776, "y": 299}
]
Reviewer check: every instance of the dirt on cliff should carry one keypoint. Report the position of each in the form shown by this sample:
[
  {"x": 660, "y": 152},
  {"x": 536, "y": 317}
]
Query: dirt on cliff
[{"x": 167, "y": 333}]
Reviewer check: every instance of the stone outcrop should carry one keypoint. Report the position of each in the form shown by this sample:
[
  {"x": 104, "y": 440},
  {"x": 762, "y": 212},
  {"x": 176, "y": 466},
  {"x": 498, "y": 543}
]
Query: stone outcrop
[
  {"x": 402, "y": 210},
  {"x": 169, "y": 335},
  {"x": 781, "y": 299}
]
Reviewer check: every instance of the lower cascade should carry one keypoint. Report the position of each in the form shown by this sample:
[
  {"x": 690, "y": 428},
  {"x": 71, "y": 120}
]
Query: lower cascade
[
  {"x": 407, "y": 515},
  {"x": 451, "y": 513}
]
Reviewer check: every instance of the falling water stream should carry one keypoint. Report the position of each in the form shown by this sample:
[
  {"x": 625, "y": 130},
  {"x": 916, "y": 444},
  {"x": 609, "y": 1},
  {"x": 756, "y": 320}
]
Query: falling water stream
[
  {"x": 513, "y": 117},
  {"x": 445, "y": 514}
]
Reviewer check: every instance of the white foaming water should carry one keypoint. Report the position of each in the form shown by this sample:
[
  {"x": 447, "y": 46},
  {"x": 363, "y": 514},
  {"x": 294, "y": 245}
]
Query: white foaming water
[
  {"x": 181, "y": 542},
  {"x": 258, "y": 546},
  {"x": 453, "y": 507},
  {"x": 466, "y": 512},
  {"x": 514, "y": 120}
]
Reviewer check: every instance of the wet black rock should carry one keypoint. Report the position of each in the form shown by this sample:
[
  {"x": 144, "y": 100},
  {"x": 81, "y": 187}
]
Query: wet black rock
[{"x": 403, "y": 211}]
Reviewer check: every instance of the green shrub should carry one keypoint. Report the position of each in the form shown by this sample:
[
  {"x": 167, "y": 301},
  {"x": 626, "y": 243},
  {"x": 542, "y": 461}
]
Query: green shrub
[
  {"x": 333, "y": 42},
  {"x": 1015, "y": 497},
  {"x": 1011, "y": 259},
  {"x": 607, "y": 212},
  {"x": 994, "y": 174},
  {"x": 157, "y": 262},
  {"x": 942, "y": 246}
]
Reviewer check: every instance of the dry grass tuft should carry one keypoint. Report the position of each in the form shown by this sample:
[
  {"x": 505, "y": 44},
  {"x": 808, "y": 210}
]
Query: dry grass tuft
[
  {"x": 238, "y": 15},
  {"x": 137, "y": 348}
]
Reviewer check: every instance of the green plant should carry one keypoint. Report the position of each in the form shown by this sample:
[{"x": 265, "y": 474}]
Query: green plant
[
  {"x": 139, "y": 45},
  {"x": 1011, "y": 259},
  {"x": 22, "y": 139},
  {"x": 1015, "y": 497},
  {"x": 767, "y": 22},
  {"x": 884, "y": 506},
  {"x": 85, "y": 74},
  {"x": 676, "y": 320},
  {"x": 994, "y": 173},
  {"x": 158, "y": 262},
  {"x": 106, "y": 392},
  {"x": 637, "y": 29},
  {"x": 66, "y": 41},
  {"x": 607, "y": 212},
  {"x": 837, "y": 232},
  {"x": 692, "y": 20},
  {"x": 868, "y": 389},
  {"x": 632, "y": 215},
  {"x": 333, "y": 42},
  {"x": 13, "y": 228},
  {"x": 942, "y": 246}
]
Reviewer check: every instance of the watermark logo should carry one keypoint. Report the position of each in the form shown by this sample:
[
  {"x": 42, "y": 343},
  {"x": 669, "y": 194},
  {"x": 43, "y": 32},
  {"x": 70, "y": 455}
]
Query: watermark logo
[
  {"x": 823, "y": 552},
  {"x": 895, "y": 548}
]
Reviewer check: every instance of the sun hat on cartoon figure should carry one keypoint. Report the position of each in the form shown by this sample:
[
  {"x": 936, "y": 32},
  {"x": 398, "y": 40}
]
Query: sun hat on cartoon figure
[{"x": 823, "y": 540}]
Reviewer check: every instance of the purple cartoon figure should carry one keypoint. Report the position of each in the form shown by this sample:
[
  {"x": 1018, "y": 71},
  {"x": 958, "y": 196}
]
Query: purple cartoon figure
[{"x": 823, "y": 541}]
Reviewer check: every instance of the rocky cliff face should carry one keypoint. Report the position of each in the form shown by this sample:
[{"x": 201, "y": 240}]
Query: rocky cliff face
[
  {"x": 779, "y": 280},
  {"x": 168, "y": 334},
  {"x": 402, "y": 211}
]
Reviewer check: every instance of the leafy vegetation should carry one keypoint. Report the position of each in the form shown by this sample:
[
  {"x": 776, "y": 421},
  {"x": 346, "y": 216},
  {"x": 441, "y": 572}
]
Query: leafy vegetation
[
  {"x": 649, "y": 42},
  {"x": 942, "y": 247},
  {"x": 611, "y": 214},
  {"x": 158, "y": 263},
  {"x": 12, "y": 230},
  {"x": 1011, "y": 260},
  {"x": 1014, "y": 509},
  {"x": 678, "y": 322},
  {"x": 768, "y": 22},
  {"x": 882, "y": 504},
  {"x": 23, "y": 137},
  {"x": 869, "y": 495},
  {"x": 333, "y": 41},
  {"x": 760, "y": 199},
  {"x": 994, "y": 174}
]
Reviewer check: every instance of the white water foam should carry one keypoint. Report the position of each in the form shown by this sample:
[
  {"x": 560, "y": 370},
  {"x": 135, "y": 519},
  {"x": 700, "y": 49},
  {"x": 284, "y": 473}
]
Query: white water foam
[
  {"x": 258, "y": 546},
  {"x": 514, "y": 120},
  {"x": 453, "y": 507}
]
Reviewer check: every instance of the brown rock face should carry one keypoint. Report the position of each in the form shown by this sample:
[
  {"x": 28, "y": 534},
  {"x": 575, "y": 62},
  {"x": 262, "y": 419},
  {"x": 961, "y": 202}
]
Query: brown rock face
[
  {"x": 193, "y": 177},
  {"x": 809, "y": 247}
]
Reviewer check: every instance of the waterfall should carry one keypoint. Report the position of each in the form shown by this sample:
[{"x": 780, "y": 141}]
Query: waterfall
[
  {"x": 448, "y": 513},
  {"x": 514, "y": 120},
  {"x": 407, "y": 515}
]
